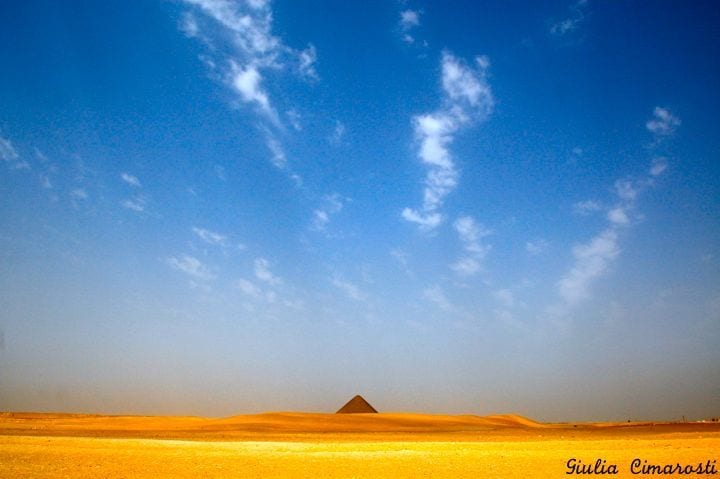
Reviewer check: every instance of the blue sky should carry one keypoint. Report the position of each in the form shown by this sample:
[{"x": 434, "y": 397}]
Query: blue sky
[{"x": 214, "y": 207}]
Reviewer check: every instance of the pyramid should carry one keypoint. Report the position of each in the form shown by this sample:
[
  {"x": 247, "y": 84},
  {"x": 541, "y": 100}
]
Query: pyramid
[{"x": 356, "y": 405}]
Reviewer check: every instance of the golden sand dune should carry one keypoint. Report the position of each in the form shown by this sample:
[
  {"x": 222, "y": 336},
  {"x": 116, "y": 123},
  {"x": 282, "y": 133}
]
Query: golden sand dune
[
  {"x": 255, "y": 425},
  {"x": 295, "y": 445},
  {"x": 384, "y": 422},
  {"x": 269, "y": 425}
]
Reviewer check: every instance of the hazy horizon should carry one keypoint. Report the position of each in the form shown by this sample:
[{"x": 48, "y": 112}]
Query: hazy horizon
[{"x": 216, "y": 207}]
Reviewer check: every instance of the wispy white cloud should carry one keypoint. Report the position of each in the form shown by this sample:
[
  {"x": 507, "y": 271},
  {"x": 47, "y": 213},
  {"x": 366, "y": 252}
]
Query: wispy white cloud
[
  {"x": 220, "y": 172},
  {"x": 263, "y": 273},
  {"x": 278, "y": 154},
  {"x": 45, "y": 178},
  {"x": 246, "y": 81},
  {"x": 191, "y": 266},
  {"x": 338, "y": 133},
  {"x": 9, "y": 154},
  {"x": 536, "y": 247},
  {"x": 256, "y": 292},
  {"x": 463, "y": 84},
  {"x": 251, "y": 28},
  {"x": 470, "y": 234},
  {"x": 253, "y": 50},
  {"x": 591, "y": 261},
  {"x": 79, "y": 194},
  {"x": 436, "y": 295},
  {"x": 249, "y": 288},
  {"x": 617, "y": 216},
  {"x": 320, "y": 219},
  {"x": 587, "y": 206},
  {"x": 40, "y": 155},
  {"x": 467, "y": 96},
  {"x": 350, "y": 290},
  {"x": 663, "y": 123},
  {"x": 307, "y": 60},
  {"x": 626, "y": 189},
  {"x": 130, "y": 180},
  {"x": 565, "y": 26},
  {"x": 332, "y": 205},
  {"x": 658, "y": 166},
  {"x": 21, "y": 165},
  {"x": 409, "y": 20},
  {"x": 258, "y": 4},
  {"x": 594, "y": 258},
  {"x": 426, "y": 221},
  {"x": 572, "y": 23},
  {"x": 210, "y": 237},
  {"x": 435, "y": 133},
  {"x": 466, "y": 266},
  {"x": 135, "y": 204},
  {"x": 189, "y": 25},
  {"x": 294, "y": 118},
  {"x": 7, "y": 150}
]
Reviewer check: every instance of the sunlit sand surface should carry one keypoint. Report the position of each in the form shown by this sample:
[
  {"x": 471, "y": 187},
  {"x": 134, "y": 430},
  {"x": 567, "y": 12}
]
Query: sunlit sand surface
[{"x": 287, "y": 445}]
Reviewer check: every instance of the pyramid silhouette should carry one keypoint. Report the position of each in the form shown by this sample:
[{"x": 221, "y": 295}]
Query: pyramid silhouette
[{"x": 356, "y": 405}]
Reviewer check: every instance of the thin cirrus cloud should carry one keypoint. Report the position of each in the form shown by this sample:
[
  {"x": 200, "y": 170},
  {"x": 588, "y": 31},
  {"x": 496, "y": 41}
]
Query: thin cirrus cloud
[
  {"x": 594, "y": 258},
  {"x": 210, "y": 237},
  {"x": 332, "y": 205},
  {"x": 663, "y": 123},
  {"x": 338, "y": 133},
  {"x": 470, "y": 234},
  {"x": 350, "y": 290},
  {"x": 79, "y": 194},
  {"x": 263, "y": 273},
  {"x": 249, "y": 288},
  {"x": 246, "y": 81},
  {"x": 659, "y": 165},
  {"x": 307, "y": 59},
  {"x": 277, "y": 157},
  {"x": 591, "y": 261},
  {"x": 255, "y": 292},
  {"x": 536, "y": 247},
  {"x": 436, "y": 295},
  {"x": 10, "y": 156},
  {"x": 409, "y": 20},
  {"x": 7, "y": 150},
  {"x": 254, "y": 51},
  {"x": 191, "y": 266},
  {"x": 466, "y": 96},
  {"x": 618, "y": 216},
  {"x": 587, "y": 207},
  {"x": 295, "y": 119},
  {"x": 571, "y": 23},
  {"x": 130, "y": 180},
  {"x": 135, "y": 204}
]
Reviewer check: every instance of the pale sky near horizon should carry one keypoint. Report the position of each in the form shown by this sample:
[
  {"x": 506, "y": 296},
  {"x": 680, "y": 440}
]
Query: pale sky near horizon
[{"x": 215, "y": 207}]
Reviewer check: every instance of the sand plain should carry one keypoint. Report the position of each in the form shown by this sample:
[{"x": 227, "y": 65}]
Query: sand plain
[{"x": 290, "y": 445}]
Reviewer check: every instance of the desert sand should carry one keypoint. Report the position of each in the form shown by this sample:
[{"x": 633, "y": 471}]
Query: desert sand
[{"x": 288, "y": 445}]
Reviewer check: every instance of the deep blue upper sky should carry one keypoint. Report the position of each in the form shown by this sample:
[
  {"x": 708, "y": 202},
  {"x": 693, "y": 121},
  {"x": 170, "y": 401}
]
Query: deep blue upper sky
[{"x": 220, "y": 206}]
